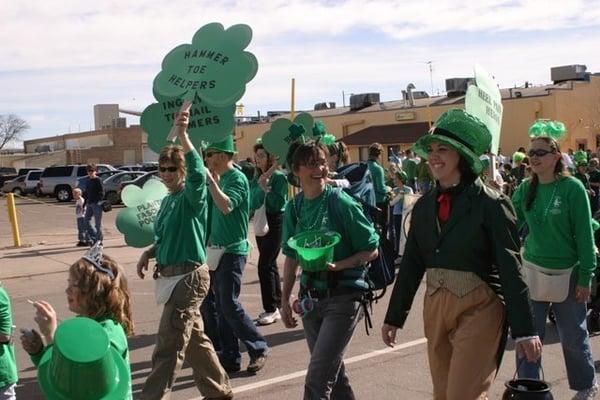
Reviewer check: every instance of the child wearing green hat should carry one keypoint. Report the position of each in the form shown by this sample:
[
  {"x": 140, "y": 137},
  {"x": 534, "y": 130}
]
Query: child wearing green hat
[
  {"x": 466, "y": 242},
  {"x": 8, "y": 363},
  {"x": 97, "y": 289},
  {"x": 558, "y": 255}
]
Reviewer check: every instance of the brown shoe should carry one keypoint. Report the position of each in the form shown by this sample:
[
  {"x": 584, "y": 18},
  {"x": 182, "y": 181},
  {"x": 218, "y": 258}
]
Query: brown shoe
[
  {"x": 228, "y": 396},
  {"x": 256, "y": 364}
]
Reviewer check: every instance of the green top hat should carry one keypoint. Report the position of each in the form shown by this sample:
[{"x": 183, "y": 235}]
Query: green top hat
[
  {"x": 225, "y": 146},
  {"x": 314, "y": 249},
  {"x": 461, "y": 130},
  {"x": 82, "y": 365}
]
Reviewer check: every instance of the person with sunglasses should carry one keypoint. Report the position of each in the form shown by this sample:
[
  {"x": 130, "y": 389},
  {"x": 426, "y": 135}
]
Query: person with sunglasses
[
  {"x": 181, "y": 275},
  {"x": 228, "y": 248},
  {"x": 558, "y": 255},
  {"x": 466, "y": 243}
]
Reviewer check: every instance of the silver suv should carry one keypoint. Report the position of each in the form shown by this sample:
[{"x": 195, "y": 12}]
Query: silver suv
[{"x": 60, "y": 181}]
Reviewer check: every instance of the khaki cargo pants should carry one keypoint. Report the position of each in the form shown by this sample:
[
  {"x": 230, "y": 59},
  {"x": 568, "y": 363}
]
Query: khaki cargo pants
[{"x": 181, "y": 337}]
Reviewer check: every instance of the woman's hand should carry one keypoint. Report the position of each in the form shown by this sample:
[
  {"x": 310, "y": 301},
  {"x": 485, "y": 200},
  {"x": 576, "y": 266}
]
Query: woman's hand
[
  {"x": 287, "y": 316},
  {"x": 530, "y": 348},
  {"x": 388, "y": 334},
  {"x": 45, "y": 317},
  {"x": 142, "y": 264},
  {"x": 31, "y": 341},
  {"x": 582, "y": 294}
]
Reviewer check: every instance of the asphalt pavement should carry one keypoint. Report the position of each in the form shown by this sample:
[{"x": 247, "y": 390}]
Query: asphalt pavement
[{"x": 37, "y": 271}]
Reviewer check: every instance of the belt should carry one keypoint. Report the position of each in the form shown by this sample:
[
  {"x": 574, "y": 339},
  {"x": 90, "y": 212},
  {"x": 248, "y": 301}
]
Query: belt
[
  {"x": 327, "y": 293},
  {"x": 175, "y": 269}
]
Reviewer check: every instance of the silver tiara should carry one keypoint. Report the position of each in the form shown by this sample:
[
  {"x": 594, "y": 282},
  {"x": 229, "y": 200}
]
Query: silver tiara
[{"x": 94, "y": 256}]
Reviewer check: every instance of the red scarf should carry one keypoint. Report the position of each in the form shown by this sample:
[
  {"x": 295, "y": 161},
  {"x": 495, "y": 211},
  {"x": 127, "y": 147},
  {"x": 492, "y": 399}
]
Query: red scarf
[{"x": 445, "y": 204}]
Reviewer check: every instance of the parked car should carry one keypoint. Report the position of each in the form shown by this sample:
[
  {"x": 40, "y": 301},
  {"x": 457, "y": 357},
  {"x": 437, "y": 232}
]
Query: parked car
[
  {"x": 16, "y": 186},
  {"x": 150, "y": 166},
  {"x": 60, "y": 181},
  {"x": 31, "y": 181},
  {"x": 7, "y": 173},
  {"x": 82, "y": 181},
  {"x": 112, "y": 185},
  {"x": 130, "y": 167},
  {"x": 24, "y": 171},
  {"x": 140, "y": 180}
]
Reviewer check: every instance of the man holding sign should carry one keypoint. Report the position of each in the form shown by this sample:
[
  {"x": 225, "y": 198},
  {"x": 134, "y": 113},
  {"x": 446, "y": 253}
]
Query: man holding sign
[{"x": 181, "y": 275}]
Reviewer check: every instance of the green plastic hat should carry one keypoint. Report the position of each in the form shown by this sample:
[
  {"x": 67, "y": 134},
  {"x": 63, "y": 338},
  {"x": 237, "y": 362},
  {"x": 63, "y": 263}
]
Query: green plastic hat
[
  {"x": 518, "y": 156},
  {"x": 82, "y": 365},
  {"x": 580, "y": 157},
  {"x": 461, "y": 130},
  {"x": 314, "y": 249},
  {"x": 225, "y": 146}
]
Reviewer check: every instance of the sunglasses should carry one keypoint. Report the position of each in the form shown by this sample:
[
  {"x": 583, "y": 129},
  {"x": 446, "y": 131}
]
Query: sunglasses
[
  {"x": 538, "y": 152},
  {"x": 170, "y": 169}
]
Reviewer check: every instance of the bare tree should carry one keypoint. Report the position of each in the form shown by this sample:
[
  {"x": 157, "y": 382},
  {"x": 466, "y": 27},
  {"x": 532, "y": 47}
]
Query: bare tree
[{"x": 11, "y": 128}]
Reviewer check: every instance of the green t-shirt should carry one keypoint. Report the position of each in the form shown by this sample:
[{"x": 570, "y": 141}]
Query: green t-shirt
[
  {"x": 410, "y": 167},
  {"x": 180, "y": 226},
  {"x": 276, "y": 197},
  {"x": 8, "y": 363},
  {"x": 560, "y": 230},
  {"x": 377, "y": 176},
  {"x": 117, "y": 339},
  {"x": 231, "y": 230},
  {"x": 356, "y": 230}
]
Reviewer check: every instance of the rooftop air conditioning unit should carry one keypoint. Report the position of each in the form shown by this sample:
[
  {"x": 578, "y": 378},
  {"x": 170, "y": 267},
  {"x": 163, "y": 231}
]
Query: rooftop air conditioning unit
[
  {"x": 456, "y": 87},
  {"x": 359, "y": 101},
  {"x": 574, "y": 72},
  {"x": 321, "y": 106},
  {"x": 420, "y": 94}
]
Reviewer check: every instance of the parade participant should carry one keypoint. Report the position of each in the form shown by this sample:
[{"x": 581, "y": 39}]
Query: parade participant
[
  {"x": 228, "y": 249},
  {"x": 397, "y": 202},
  {"x": 8, "y": 363},
  {"x": 381, "y": 190},
  {"x": 270, "y": 188},
  {"x": 466, "y": 241},
  {"x": 334, "y": 295},
  {"x": 94, "y": 194},
  {"x": 96, "y": 288},
  {"x": 181, "y": 275},
  {"x": 558, "y": 257}
]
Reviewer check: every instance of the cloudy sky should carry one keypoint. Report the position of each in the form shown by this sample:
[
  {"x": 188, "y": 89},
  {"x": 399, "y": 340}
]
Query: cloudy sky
[{"x": 60, "y": 57}]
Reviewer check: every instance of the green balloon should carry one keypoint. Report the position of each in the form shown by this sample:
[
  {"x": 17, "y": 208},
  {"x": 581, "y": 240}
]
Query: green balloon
[
  {"x": 136, "y": 221},
  {"x": 214, "y": 66},
  {"x": 284, "y": 132},
  {"x": 207, "y": 123}
]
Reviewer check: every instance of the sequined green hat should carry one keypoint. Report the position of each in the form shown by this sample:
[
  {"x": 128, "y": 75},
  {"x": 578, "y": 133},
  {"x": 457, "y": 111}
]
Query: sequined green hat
[{"x": 461, "y": 130}]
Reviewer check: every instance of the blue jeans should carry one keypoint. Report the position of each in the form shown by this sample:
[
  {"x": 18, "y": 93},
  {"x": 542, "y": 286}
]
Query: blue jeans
[
  {"x": 81, "y": 230},
  {"x": 328, "y": 329},
  {"x": 94, "y": 232},
  {"x": 572, "y": 330},
  {"x": 234, "y": 323}
]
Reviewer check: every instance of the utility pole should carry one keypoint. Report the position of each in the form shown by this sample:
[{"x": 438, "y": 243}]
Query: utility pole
[{"x": 430, "y": 64}]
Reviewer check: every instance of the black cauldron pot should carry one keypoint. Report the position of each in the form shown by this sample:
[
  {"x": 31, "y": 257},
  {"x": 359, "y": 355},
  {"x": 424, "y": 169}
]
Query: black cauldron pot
[{"x": 527, "y": 389}]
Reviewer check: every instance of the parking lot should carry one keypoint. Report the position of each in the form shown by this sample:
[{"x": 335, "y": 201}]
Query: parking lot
[{"x": 37, "y": 271}]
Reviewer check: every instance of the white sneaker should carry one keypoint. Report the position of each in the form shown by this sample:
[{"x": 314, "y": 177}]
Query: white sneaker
[
  {"x": 268, "y": 318},
  {"x": 587, "y": 394}
]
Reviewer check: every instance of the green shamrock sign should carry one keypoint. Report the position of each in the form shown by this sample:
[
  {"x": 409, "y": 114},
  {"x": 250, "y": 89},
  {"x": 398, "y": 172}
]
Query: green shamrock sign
[
  {"x": 214, "y": 66},
  {"x": 284, "y": 132},
  {"x": 207, "y": 123},
  {"x": 136, "y": 221}
]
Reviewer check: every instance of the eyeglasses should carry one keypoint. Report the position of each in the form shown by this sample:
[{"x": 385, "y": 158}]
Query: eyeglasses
[
  {"x": 211, "y": 153},
  {"x": 539, "y": 152},
  {"x": 170, "y": 169}
]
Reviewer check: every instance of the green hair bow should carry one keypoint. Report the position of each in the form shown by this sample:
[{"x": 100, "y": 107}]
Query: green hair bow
[
  {"x": 319, "y": 129},
  {"x": 328, "y": 139},
  {"x": 547, "y": 128}
]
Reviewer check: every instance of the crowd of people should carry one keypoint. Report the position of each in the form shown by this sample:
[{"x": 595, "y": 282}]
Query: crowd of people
[{"x": 466, "y": 238}]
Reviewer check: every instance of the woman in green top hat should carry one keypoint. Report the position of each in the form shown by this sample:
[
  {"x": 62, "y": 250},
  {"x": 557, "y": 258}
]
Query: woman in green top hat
[
  {"x": 559, "y": 254},
  {"x": 464, "y": 236},
  {"x": 330, "y": 300},
  {"x": 270, "y": 188}
]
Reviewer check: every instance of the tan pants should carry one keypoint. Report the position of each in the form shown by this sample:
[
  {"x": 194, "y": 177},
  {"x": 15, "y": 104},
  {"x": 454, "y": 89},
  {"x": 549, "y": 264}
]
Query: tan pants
[
  {"x": 181, "y": 336},
  {"x": 463, "y": 335}
]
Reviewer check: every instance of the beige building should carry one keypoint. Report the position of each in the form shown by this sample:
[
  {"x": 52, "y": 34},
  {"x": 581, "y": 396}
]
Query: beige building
[{"x": 573, "y": 98}]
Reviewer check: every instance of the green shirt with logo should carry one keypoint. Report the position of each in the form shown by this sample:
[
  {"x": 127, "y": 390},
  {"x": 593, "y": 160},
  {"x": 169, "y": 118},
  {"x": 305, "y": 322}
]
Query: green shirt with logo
[
  {"x": 231, "y": 230},
  {"x": 276, "y": 197},
  {"x": 180, "y": 225},
  {"x": 560, "y": 230},
  {"x": 8, "y": 363}
]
